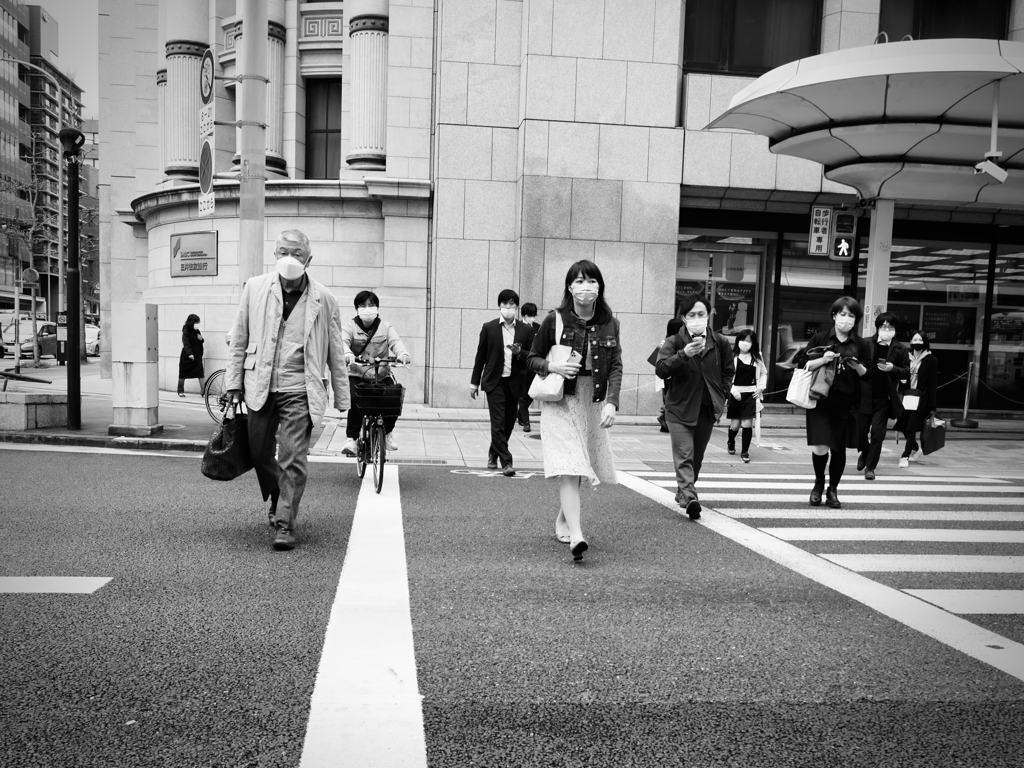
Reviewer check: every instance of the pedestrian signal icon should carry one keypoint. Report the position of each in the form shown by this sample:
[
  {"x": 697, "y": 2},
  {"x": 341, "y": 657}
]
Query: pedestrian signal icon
[{"x": 842, "y": 249}]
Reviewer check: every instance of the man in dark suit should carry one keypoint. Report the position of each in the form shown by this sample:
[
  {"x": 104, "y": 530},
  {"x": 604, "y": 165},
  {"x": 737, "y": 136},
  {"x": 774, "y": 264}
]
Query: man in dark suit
[
  {"x": 529, "y": 315},
  {"x": 500, "y": 361}
]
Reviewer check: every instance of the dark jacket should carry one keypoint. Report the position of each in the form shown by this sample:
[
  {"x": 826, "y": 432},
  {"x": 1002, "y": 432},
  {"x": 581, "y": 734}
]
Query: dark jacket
[
  {"x": 846, "y": 389},
  {"x": 897, "y": 355},
  {"x": 714, "y": 366},
  {"x": 490, "y": 356},
  {"x": 191, "y": 344},
  {"x": 927, "y": 384},
  {"x": 527, "y": 373},
  {"x": 605, "y": 361}
]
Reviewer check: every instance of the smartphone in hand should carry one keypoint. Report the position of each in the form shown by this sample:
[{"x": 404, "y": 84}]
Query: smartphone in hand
[{"x": 575, "y": 357}]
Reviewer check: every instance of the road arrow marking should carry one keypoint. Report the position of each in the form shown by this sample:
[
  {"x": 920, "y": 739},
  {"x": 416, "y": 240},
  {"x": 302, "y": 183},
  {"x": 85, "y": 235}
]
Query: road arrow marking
[{"x": 53, "y": 585}]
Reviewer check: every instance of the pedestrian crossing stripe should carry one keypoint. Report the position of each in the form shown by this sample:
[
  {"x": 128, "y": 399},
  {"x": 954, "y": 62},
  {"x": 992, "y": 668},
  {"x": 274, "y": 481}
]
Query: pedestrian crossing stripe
[
  {"x": 792, "y": 498},
  {"x": 929, "y": 563},
  {"x": 968, "y": 535},
  {"x": 52, "y": 585},
  {"x": 824, "y": 513},
  {"x": 741, "y": 485},
  {"x": 847, "y": 478},
  {"x": 973, "y": 601}
]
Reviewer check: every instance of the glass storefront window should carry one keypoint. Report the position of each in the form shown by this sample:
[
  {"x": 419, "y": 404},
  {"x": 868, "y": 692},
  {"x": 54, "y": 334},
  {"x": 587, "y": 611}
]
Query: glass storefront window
[
  {"x": 726, "y": 268},
  {"x": 1003, "y": 385}
]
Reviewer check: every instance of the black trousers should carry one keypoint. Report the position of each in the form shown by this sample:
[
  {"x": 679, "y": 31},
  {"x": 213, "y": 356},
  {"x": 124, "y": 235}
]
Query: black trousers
[
  {"x": 875, "y": 423},
  {"x": 524, "y": 409},
  {"x": 503, "y": 407}
]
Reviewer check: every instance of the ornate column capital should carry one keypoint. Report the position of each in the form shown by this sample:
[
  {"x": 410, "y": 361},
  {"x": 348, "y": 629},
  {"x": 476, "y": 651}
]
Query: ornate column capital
[{"x": 186, "y": 48}]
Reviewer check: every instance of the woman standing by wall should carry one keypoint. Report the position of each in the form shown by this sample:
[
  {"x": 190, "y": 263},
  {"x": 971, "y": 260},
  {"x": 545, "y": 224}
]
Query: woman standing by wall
[
  {"x": 575, "y": 441},
  {"x": 699, "y": 364},
  {"x": 924, "y": 377},
  {"x": 831, "y": 424},
  {"x": 190, "y": 362},
  {"x": 750, "y": 380}
]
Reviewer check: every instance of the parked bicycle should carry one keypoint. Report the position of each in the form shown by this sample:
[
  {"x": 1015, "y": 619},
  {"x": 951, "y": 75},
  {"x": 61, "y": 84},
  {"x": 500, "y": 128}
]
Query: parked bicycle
[
  {"x": 215, "y": 395},
  {"x": 376, "y": 399}
]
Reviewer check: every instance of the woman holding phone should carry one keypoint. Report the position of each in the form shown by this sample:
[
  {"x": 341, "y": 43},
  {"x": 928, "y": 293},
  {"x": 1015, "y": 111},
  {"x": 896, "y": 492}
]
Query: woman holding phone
[
  {"x": 576, "y": 444},
  {"x": 831, "y": 424},
  {"x": 699, "y": 363}
]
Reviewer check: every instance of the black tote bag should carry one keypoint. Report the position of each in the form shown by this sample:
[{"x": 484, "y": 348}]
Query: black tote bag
[{"x": 227, "y": 454}]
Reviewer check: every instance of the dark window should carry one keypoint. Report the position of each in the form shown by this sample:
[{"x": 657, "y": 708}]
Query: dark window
[
  {"x": 323, "y": 128},
  {"x": 937, "y": 19},
  {"x": 749, "y": 36}
]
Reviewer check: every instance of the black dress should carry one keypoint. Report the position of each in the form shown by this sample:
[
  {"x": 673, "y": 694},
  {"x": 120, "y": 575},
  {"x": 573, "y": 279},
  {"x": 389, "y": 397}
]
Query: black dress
[
  {"x": 191, "y": 344},
  {"x": 746, "y": 406},
  {"x": 833, "y": 420}
]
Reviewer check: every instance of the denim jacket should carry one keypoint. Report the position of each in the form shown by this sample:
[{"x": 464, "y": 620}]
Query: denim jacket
[{"x": 605, "y": 353}]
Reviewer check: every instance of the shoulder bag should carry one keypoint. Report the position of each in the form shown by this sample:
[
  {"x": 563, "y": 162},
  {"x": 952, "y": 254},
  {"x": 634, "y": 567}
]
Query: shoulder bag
[
  {"x": 911, "y": 399},
  {"x": 549, "y": 389},
  {"x": 799, "y": 392},
  {"x": 933, "y": 434},
  {"x": 821, "y": 381}
]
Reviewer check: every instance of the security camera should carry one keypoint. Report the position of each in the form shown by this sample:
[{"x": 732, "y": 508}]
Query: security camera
[{"x": 991, "y": 169}]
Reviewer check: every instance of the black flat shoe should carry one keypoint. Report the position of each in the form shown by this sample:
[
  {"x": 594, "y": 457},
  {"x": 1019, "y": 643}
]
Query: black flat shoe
[
  {"x": 576, "y": 549},
  {"x": 731, "y": 449},
  {"x": 832, "y": 498},
  {"x": 693, "y": 509},
  {"x": 526, "y": 428},
  {"x": 816, "y": 495},
  {"x": 861, "y": 462},
  {"x": 869, "y": 475},
  {"x": 746, "y": 457}
]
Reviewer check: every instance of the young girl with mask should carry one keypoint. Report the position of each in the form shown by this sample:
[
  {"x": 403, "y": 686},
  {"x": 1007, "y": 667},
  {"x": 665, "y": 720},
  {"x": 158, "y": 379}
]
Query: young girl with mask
[
  {"x": 368, "y": 336},
  {"x": 924, "y": 376},
  {"x": 698, "y": 363},
  {"x": 750, "y": 380},
  {"x": 880, "y": 399},
  {"x": 831, "y": 424},
  {"x": 576, "y": 443}
]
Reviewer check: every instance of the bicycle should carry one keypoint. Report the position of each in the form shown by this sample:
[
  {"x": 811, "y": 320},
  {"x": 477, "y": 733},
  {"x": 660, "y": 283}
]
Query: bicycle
[
  {"x": 376, "y": 400},
  {"x": 215, "y": 395}
]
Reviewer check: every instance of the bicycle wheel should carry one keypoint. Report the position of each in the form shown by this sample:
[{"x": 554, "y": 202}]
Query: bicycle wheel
[
  {"x": 378, "y": 446},
  {"x": 216, "y": 396},
  {"x": 362, "y": 443}
]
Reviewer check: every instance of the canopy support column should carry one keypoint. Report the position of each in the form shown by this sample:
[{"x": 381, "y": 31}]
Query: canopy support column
[{"x": 876, "y": 284}]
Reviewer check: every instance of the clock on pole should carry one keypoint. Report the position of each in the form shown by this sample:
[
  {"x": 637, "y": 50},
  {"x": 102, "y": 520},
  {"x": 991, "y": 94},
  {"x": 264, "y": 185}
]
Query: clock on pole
[{"x": 206, "y": 126}]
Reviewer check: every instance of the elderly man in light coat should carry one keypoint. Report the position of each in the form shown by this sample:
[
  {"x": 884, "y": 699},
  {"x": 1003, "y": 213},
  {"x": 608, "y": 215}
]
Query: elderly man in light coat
[{"x": 287, "y": 334}]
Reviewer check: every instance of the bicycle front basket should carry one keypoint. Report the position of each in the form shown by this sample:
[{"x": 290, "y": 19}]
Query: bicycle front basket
[{"x": 379, "y": 399}]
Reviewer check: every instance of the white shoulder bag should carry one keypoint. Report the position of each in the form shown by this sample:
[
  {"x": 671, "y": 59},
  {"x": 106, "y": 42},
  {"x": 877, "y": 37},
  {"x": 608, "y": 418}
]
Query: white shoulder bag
[{"x": 548, "y": 389}]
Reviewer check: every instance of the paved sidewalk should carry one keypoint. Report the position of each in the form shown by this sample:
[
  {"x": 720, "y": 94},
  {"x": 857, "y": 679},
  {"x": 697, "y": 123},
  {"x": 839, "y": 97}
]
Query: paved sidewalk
[{"x": 460, "y": 436}]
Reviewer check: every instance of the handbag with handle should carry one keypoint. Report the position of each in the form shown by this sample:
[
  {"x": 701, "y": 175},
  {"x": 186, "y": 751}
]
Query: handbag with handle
[
  {"x": 550, "y": 388},
  {"x": 933, "y": 434},
  {"x": 799, "y": 392},
  {"x": 821, "y": 381},
  {"x": 227, "y": 454},
  {"x": 911, "y": 399}
]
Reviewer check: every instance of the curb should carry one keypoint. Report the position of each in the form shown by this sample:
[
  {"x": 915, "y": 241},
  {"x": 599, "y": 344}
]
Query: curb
[{"x": 126, "y": 443}]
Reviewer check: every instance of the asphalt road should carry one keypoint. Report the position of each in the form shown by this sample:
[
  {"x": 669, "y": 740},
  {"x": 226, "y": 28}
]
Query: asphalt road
[{"x": 670, "y": 645}]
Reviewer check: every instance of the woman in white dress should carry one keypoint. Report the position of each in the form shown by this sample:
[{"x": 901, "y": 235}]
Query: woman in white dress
[{"x": 574, "y": 429}]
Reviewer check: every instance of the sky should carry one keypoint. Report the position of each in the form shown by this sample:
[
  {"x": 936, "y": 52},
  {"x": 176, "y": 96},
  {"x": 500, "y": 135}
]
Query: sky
[{"x": 78, "y": 40}]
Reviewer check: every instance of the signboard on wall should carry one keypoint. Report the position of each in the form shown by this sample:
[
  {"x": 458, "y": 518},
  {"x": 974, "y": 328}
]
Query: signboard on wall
[
  {"x": 949, "y": 325},
  {"x": 194, "y": 254},
  {"x": 819, "y": 242},
  {"x": 734, "y": 306}
]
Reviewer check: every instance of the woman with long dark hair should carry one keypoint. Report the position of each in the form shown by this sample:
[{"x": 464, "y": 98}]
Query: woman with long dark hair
[
  {"x": 924, "y": 376},
  {"x": 748, "y": 384},
  {"x": 575, "y": 441},
  {"x": 831, "y": 424},
  {"x": 190, "y": 361}
]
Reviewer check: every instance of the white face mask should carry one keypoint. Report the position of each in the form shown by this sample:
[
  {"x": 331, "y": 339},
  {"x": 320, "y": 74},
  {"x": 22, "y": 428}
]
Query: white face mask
[
  {"x": 744, "y": 346},
  {"x": 290, "y": 268},
  {"x": 697, "y": 326},
  {"x": 367, "y": 314},
  {"x": 508, "y": 314},
  {"x": 884, "y": 335},
  {"x": 844, "y": 323},
  {"x": 584, "y": 294}
]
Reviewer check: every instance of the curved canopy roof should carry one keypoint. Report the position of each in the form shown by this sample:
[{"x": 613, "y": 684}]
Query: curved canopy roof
[{"x": 906, "y": 121}]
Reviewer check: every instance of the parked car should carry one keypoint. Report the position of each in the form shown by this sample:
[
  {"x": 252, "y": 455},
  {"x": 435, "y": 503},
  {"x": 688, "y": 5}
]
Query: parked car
[
  {"x": 786, "y": 363},
  {"x": 47, "y": 339},
  {"x": 92, "y": 340}
]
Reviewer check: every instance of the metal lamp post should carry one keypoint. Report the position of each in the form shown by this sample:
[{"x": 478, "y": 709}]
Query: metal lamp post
[{"x": 71, "y": 140}]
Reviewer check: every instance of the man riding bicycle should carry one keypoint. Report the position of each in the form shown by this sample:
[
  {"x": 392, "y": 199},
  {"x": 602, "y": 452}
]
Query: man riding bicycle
[{"x": 366, "y": 337}]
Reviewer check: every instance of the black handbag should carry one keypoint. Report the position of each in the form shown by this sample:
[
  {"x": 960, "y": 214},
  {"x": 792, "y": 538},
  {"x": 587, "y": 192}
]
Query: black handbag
[
  {"x": 933, "y": 435},
  {"x": 227, "y": 454}
]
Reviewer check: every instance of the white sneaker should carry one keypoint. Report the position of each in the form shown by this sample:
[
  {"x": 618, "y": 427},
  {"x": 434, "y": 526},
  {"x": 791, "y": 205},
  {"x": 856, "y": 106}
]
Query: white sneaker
[
  {"x": 391, "y": 443},
  {"x": 349, "y": 448},
  {"x": 915, "y": 456},
  {"x": 904, "y": 462}
]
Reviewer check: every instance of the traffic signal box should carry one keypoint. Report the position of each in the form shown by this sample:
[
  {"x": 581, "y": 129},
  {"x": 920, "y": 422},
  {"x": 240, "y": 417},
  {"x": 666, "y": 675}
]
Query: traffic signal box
[{"x": 844, "y": 236}]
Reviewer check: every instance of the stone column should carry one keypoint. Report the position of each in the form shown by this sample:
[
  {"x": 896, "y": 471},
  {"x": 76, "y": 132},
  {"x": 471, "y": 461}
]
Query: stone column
[
  {"x": 161, "y": 110},
  {"x": 275, "y": 97},
  {"x": 876, "y": 283},
  {"x": 368, "y": 51},
  {"x": 186, "y": 24}
]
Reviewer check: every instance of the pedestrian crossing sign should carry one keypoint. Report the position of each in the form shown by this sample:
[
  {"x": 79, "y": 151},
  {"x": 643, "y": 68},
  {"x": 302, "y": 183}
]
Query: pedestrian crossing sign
[{"x": 842, "y": 249}]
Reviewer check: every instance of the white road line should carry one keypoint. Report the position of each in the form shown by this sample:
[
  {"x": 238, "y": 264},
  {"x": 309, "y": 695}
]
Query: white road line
[
  {"x": 979, "y": 643},
  {"x": 55, "y": 585},
  {"x": 974, "y": 601},
  {"x": 742, "y": 485},
  {"x": 810, "y": 478},
  {"x": 968, "y": 535},
  {"x": 824, "y": 513},
  {"x": 41, "y": 448},
  {"x": 791, "y": 498},
  {"x": 929, "y": 563},
  {"x": 366, "y": 708}
]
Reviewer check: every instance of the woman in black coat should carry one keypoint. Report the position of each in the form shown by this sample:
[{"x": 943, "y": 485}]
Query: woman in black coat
[
  {"x": 889, "y": 364},
  {"x": 831, "y": 424},
  {"x": 190, "y": 362},
  {"x": 924, "y": 376}
]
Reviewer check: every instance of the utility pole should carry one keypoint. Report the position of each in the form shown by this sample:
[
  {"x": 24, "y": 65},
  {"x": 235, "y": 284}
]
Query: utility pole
[
  {"x": 72, "y": 140},
  {"x": 252, "y": 68}
]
